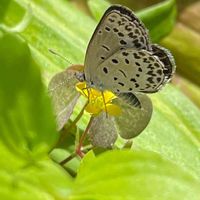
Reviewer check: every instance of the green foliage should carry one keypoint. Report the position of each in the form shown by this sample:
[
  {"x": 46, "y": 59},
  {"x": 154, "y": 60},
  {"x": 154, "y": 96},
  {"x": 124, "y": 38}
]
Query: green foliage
[
  {"x": 28, "y": 130},
  {"x": 27, "y": 127},
  {"x": 128, "y": 175},
  {"x": 24, "y": 106}
]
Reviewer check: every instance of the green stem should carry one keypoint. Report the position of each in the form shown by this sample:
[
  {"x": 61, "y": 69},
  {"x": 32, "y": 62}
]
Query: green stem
[{"x": 73, "y": 155}]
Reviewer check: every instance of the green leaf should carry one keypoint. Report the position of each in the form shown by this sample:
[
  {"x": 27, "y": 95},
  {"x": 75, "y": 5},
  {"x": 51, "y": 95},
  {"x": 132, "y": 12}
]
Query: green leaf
[
  {"x": 132, "y": 121},
  {"x": 187, "y": 59},
  {"x": 43, "y": 180},
  {"x": 26, "y": 123},
  {"x": 103, "y": 131},
  {"x": 174, "y": 130},
  {"x": 159, "y": 19},
  {"x": 64, "y": 96},
  {"x": 98, "y": 7},
  {"x": 12, "y": 191},
  {"x": 27, "y": 129},
  {"x": 128, "y": 175}
]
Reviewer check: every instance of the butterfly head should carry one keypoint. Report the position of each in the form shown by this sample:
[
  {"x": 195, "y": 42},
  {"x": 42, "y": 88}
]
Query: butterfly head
[{"x": 96, "y": 84}]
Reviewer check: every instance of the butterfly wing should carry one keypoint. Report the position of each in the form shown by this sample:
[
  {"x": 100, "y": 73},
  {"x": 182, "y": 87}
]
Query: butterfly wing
[
  {"x": 118, "y": 29},
  {"x": 167, "y": 59},
  {"x": 132, "y": 71}
]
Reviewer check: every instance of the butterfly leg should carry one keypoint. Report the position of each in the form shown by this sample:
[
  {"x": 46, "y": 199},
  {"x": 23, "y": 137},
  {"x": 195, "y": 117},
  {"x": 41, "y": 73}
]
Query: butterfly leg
[
  {"x": 104, "y": 102},
  {"x": 87, "y": 94}
]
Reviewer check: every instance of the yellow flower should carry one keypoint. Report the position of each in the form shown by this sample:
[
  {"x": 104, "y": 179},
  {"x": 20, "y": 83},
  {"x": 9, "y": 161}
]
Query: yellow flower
[{"x": 98, "y": 101}]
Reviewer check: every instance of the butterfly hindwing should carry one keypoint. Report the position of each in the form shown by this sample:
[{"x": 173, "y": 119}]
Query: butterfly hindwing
[
  {"x": 118, "y": 29},
  {"x": 131, "y": 70},
  {"x": 167, "y": 59}
]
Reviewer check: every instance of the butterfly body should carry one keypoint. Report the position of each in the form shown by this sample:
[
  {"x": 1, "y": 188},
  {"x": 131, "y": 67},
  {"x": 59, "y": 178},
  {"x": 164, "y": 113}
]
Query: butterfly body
[{"x": 121, "y": 58}]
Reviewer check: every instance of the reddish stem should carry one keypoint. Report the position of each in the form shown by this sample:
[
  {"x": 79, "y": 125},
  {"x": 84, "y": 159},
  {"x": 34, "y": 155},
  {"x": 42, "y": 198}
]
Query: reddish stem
[{"x": 83, "y": 136}]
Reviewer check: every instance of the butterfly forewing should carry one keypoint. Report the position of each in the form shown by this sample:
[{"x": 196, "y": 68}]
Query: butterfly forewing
[{"x": 118, "y": 29}]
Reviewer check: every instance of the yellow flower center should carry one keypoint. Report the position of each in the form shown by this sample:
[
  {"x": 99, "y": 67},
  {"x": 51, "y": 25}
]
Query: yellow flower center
[{"x": 98, "y": 101}]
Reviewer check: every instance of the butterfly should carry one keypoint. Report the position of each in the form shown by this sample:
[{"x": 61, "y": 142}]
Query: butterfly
[{"x": 120, "y": 57}]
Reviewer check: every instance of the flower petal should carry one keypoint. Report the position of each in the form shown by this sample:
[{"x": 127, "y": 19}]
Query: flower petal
[
  {"x": 64, "y": 95},
  {"x": 132, "y": 121},
  {"x": 81, "y": 87},
  {"x": 93, "y": 109},
  {"x": 109, "y": 96},
  {"x": 103, "y": 132},
  {"x": 112, "y": 109}
]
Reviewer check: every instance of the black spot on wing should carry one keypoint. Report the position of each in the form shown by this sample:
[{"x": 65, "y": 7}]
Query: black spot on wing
[
  {"x": 107, "y": 28},
  {"x": 120, "y": 83},
  {"x": 127, "y": 61},
  {"x": 159, "y": 71},
  {"x": 105, "y": 70},
  {"x": 115, "y": 61},
  {"x": 136, "y": 56},
  {"x": 137, "y": 85},
  {"x": 125, "y": 53},
  {"x": 122, "y": 72},
  {"x": 120, "y": 34},
  {"x": 123, "y": 42},
  {"x": 111, "y": 20},
  {"x": 133, "y": 80},
  {"x": 106, "y": 48},
  {"x": 131, "y": 35},
  {"x": 140, "y": 69},
  {"x": 138, "y": 64},
  {"x": 158, "y": 79}
]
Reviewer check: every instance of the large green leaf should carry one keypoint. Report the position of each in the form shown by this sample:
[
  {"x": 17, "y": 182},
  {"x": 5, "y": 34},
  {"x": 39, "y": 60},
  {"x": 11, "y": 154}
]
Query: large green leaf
[
  {"x": 24, "y": 106},
  {"x": 174, "y": 130},
  {"x": 127, "y": 175},
  {"x": 43, "y": 180},
  {"x": 27, "y": 128}
]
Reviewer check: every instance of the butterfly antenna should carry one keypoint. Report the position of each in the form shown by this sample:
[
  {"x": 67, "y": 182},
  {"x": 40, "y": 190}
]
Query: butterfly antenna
[
  {"x": 104, "y": 102},
  {"x": 59, "y": 55}
]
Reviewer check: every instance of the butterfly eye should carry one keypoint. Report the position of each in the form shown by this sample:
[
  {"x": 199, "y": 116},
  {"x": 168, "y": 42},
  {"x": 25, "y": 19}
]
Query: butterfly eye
[{"x": 80, "y": 76}]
